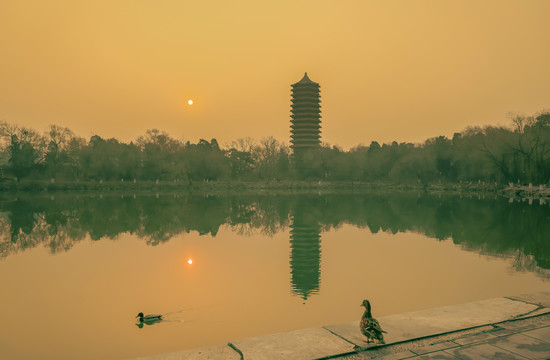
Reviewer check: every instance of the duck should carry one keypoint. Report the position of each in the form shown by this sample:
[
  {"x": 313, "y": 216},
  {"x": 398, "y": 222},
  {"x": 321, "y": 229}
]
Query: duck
[
  {"x": 149, "y": 318},
  {"x": 369, "y": 326}
]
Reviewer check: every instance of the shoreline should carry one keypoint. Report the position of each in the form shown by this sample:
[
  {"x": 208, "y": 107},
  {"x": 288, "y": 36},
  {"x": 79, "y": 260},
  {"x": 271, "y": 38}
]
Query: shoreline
[{"x": 32, "y": 186}]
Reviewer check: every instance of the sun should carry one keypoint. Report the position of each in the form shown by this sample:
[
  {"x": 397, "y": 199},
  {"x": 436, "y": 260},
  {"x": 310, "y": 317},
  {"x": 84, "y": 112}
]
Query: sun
[
  {"x": 190, "y": 102},
  {"x": 190, "y": 261}
]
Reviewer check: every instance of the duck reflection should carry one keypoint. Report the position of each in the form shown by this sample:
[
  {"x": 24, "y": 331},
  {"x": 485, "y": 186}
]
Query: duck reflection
[{"x": 369, "y": 326}]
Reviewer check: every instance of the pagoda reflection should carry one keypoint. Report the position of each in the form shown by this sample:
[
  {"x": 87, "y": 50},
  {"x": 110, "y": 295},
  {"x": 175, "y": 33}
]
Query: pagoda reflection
[{"x": 305, "y": 254}]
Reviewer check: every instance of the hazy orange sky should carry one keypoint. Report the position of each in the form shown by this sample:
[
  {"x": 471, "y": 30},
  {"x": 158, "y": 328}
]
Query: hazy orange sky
[{"x": 389, "y": 70}]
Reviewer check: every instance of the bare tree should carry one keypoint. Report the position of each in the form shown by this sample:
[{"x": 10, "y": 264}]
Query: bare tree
[{"x": 244, "y": 144}]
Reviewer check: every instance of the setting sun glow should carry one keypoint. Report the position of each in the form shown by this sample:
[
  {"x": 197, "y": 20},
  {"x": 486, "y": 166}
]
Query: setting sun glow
[
  {"x": 190, "y": 261},
  {"x": 190, "y": 102}
]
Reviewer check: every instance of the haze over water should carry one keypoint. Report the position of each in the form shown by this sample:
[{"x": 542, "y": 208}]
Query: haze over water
[{"x": 78, "y": 268}]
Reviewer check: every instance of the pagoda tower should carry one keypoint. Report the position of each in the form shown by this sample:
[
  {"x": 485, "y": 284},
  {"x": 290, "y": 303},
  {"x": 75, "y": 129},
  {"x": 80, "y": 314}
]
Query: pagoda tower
[{"x": 305, "y": 131}]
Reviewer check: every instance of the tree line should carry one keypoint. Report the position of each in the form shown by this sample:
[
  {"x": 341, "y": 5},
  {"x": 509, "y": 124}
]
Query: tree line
[{"x": 519, "y": 152}]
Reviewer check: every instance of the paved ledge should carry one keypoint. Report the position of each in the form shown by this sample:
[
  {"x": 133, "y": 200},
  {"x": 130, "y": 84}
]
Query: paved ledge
[
  {"x": 522, "y": 338},
  {"x": 346, "y": 341},
  {"x": 311, "y": 343},
  {"x": 541, "y": 299},
  {"x": 206, "y": 353},
  {"x": 419, "y": 324}
]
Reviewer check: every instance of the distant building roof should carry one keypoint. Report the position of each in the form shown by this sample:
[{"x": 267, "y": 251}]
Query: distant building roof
[{"x": 306, "y": 80}]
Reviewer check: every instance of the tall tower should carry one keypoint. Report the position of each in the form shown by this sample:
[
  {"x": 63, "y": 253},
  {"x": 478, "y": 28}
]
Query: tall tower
[{"x": 305, "y": 131}]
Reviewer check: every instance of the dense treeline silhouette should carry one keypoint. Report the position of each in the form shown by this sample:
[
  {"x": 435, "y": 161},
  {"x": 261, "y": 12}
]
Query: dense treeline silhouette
[
  {"x": 493, "y": 153},
  {"x": 489, "y": 225}
]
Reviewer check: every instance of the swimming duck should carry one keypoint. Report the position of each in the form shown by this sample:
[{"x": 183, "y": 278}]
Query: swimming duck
[
  {"x": 149, "y": 318},
  {"x": 370, "y": 327}
]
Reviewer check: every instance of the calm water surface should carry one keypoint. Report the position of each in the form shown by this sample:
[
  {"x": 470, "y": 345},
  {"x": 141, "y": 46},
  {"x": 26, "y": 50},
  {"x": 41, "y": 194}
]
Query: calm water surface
[{"x": 75, "y": 270}]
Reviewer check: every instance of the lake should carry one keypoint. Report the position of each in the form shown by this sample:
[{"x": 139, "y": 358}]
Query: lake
[{"x": 76, "y": 269}]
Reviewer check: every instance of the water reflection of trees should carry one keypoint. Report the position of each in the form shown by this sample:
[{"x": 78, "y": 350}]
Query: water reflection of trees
[{"x": 487, "y": 225}]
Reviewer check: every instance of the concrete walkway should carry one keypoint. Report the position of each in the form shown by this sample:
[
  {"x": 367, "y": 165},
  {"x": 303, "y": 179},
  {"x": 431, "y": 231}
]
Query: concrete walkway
[
  {"x": 508, "y": 328},
  {"x": 527, "y": 338}
]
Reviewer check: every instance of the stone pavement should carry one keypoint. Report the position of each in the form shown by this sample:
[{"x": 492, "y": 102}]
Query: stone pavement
[
  {"x": 507, "y": 328},
  {"x": 527, "y": 338}
]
